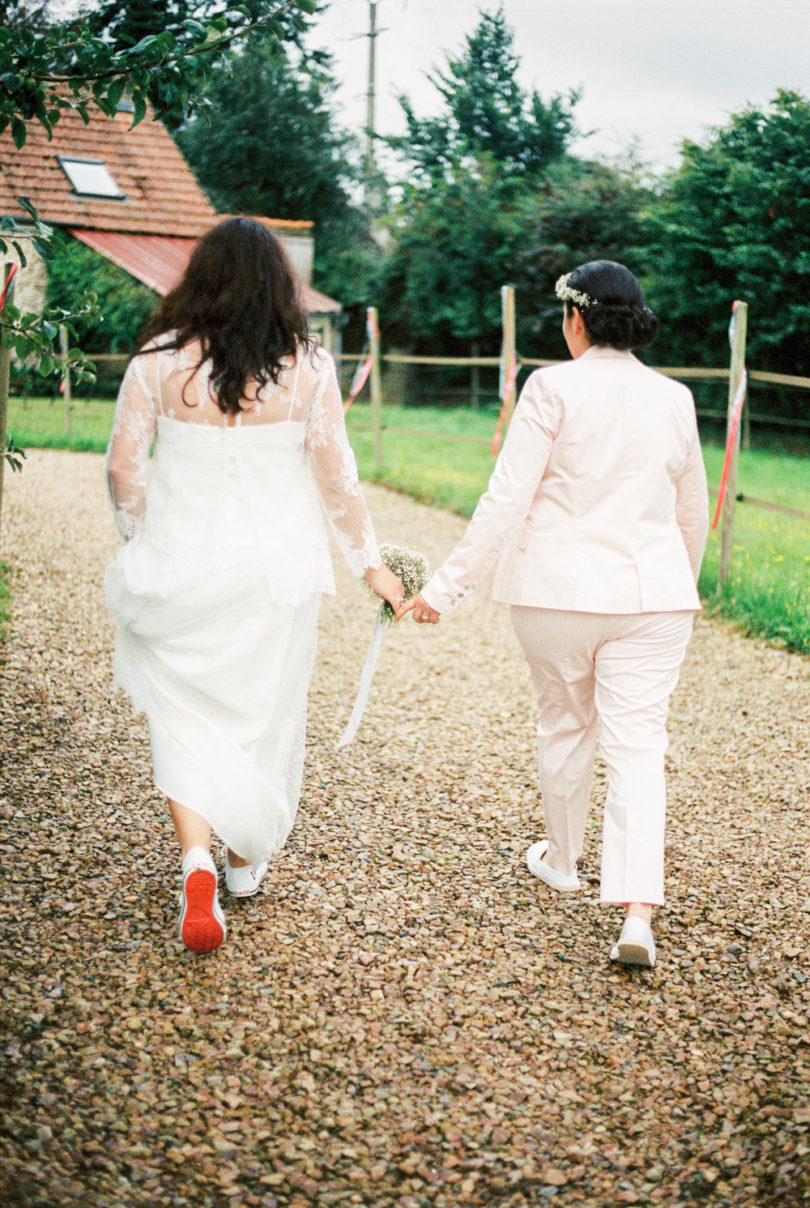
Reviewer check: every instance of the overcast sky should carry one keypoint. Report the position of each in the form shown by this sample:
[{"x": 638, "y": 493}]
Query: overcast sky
[{"x": 651, "y": 71}]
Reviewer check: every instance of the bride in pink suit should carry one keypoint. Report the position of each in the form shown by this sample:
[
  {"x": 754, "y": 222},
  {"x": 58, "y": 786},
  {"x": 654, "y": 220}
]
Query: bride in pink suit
[
  {"x": 598, "y": 513},
  {"x": 216, "y": 588}
]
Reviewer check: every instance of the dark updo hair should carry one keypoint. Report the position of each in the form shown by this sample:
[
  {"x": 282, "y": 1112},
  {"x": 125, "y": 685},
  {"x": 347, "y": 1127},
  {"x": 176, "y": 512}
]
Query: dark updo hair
[
  {"x": 616, "y": 313},
  {"x": 239, "y": 298}
]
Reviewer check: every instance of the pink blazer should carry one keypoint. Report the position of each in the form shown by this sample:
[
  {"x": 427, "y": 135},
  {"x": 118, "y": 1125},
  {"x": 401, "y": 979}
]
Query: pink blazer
[{"x": 598, "y": 501}]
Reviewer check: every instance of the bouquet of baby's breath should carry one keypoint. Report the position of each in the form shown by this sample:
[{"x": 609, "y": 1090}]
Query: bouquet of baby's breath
[
  {"x": 412, "y": 568},
  {"x": 414, "y": 572}
]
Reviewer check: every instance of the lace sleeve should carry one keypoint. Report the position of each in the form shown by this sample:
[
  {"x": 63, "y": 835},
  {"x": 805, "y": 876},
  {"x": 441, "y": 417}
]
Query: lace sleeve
[
  {"x": 336, "y": 474},
  {"x": 128, "y": 452}
]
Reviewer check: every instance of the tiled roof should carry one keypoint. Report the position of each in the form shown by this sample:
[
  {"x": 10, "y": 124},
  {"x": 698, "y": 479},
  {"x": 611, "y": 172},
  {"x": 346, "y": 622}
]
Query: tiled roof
[{"x": 161, "y": 196}]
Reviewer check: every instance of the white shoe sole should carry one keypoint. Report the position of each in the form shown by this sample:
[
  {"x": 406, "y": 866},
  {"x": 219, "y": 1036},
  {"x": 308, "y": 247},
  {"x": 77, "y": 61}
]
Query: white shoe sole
[
  {"x": 635, "y": 945},
  {"x": 632, "y": 954}
]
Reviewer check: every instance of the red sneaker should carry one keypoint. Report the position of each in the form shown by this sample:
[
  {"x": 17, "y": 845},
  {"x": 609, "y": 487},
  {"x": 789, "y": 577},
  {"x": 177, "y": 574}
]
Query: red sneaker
[{"x": 202, "y": 923}]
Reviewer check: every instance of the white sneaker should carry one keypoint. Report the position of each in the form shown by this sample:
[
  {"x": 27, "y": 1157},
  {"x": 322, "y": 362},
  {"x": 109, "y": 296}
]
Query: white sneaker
[
  {"x": 245, "y": 881},
  {"x": 202, "y": 923},
  {"x": 562, "y": 881},
  {"x": 636, "y": 945}
]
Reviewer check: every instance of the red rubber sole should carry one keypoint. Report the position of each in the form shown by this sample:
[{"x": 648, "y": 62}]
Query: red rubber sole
[{"x": 200, "y": 929}]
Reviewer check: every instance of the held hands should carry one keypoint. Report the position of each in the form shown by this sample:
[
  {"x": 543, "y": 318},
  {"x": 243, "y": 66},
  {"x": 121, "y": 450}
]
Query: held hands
[
  {"x": 423, "y": 614},
  {"x": 387, "y": 585}
]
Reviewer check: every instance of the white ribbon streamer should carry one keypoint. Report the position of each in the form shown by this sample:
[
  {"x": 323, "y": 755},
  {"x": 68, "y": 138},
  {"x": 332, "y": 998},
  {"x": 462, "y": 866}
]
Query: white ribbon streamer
[{"x": 365, "y": 684}]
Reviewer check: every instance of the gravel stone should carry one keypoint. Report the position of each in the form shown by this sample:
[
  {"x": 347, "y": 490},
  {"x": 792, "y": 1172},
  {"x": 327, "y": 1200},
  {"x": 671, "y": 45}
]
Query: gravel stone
[{"x": 403, "y": 1017}]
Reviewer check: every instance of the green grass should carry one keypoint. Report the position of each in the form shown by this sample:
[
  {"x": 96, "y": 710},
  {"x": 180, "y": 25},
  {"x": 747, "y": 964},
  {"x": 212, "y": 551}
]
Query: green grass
[
  {"x": 768, "y": 592},
  {"x": 39, "y": 423},
  {"x": 776, "y": 477},
  {"x": 445, "y": 473}
]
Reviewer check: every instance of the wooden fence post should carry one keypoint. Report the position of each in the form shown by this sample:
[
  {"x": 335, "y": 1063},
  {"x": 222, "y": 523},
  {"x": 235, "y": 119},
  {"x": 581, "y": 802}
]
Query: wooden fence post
[
  {"x": 746, "y": 421},
  {"x": 508, "y": 351},
  {"x": 63, "y": 348},
  {"x": 475, "y": 379},
  {"x": 738, "y": 334},
  {"x": 5, "y": 374},
  {"x": 376, "y": 385}
]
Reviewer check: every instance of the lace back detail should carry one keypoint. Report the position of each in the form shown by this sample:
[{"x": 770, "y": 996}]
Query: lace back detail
[{"x": 155, "y": 381}]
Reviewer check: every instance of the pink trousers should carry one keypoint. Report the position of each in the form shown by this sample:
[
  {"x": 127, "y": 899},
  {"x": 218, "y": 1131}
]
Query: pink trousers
[{"x": 611, "y": 675}]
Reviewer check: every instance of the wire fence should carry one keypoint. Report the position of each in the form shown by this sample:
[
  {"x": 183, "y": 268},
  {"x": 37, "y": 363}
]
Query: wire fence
[
  {"x": 776, "y": 408},
  {"x": 776, "y": 402}
]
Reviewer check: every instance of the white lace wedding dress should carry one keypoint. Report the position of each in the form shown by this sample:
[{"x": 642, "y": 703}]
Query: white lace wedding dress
[{"x": 216, "y": 589}]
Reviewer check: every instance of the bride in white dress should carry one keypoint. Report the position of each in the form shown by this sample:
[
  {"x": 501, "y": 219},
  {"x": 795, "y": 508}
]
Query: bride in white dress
[{"x": 216, "y": 588}]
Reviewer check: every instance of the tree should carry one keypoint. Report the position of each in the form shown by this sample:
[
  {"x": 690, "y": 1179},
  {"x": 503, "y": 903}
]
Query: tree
[
  {"x": 456, "y": 235},
  {"x": 487, "y": 114},
  {"x": 583, "y": 211},
  {"x": 264, "y": 142},
  {"x": 69, "y": 65},
  {"x": 732, "y": 222},
  {"x": 452, "y": 251},
  {"x": 123, "y": 26},
  {"x": 23, "y": 14},
  {"x": 123, "y": 305}
]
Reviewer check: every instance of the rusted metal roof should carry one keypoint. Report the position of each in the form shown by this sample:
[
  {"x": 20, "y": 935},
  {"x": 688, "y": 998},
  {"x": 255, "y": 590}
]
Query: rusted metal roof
[
  {"x": 160, "y": 262},
  {"x": 157, "y": 260}
]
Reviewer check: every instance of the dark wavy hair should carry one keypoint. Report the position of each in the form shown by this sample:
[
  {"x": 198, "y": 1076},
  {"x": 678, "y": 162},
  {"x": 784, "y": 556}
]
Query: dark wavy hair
[
  {"x": 239, "y": 297},
  {"x": 617, "y": 313}
]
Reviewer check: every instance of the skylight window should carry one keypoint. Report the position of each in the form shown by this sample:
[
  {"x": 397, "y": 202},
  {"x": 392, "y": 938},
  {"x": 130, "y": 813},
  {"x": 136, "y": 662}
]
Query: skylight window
[{"x": 89, "y": 177}]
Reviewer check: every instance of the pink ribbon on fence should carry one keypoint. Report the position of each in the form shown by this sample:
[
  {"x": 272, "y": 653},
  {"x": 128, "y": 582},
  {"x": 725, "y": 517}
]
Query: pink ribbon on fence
[
  {"x": 509, "y": 385},
  {"x": 364, "y": 369},
  {"x": 12, "y": 274},
  {"x": 731, "y": 440},
  {"x": 358, "y": 382}
]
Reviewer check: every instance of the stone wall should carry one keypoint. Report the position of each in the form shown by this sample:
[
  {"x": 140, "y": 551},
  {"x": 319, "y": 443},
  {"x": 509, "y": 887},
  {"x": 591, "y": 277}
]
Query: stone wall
[
  {"x": 300, "y": 249},
  {"x": 31, "y": 281}
]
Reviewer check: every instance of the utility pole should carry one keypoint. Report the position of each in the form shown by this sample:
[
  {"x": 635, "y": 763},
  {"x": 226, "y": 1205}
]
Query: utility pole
[{"x": 370, "y": 168}]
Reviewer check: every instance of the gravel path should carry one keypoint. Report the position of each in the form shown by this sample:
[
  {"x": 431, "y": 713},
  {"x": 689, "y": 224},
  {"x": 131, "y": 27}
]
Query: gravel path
[{"x": 403, "y": 1016}]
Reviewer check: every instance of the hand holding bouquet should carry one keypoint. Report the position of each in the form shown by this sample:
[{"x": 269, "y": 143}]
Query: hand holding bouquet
[{"x": 411, "y": 570}]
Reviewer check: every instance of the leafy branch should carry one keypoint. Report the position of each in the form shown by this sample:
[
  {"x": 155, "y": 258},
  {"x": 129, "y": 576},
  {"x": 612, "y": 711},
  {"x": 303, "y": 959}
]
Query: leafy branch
[
  {"x": 35, "y": 337},
  {"x": 14, "y": 455},
  {"x": 36, "y": 233},
  {"x": 47, "y": 73}
]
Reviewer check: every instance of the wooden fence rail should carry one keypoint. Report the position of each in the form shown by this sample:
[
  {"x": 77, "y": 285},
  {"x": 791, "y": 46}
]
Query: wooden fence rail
[
  {"x": 506, "y": 365},
  {"x": 681, "y": 372},
  {"x": 509, "y": 363},
  {"x": 684, "y": 372}
]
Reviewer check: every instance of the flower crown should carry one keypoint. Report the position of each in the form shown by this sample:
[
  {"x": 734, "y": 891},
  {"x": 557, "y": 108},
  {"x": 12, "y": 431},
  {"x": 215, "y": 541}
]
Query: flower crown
[{"x": 566, "y": 294}]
